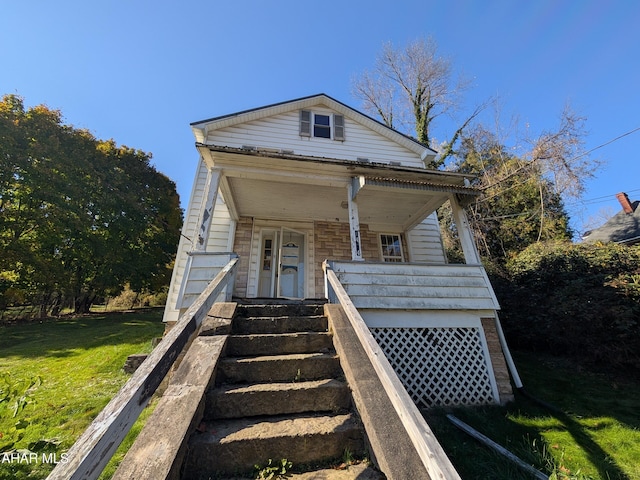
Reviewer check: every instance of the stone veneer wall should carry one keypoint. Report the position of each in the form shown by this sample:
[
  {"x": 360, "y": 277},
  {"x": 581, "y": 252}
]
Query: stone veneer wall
[
  {"x": 242, "y": 246},
  {"x": 332, "y": 241},
  {"x": 500, "y": 369}
]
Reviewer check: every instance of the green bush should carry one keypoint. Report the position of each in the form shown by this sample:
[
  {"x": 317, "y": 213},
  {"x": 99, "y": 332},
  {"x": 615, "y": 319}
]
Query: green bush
[
  {"x": 579, "y": 300},
  {"x": 129, "y": 299}
]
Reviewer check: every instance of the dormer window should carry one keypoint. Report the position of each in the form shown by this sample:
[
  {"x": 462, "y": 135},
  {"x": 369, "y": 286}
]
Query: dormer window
[{"x": 321, "y": 125}]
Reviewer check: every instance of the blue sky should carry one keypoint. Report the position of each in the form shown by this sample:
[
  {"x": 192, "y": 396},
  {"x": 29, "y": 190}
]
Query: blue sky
[{"x": 141, "y": 71}]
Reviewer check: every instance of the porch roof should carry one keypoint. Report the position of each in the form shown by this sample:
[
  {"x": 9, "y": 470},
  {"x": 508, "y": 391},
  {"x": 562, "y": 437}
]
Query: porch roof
[{"x": 280, "y": 185}]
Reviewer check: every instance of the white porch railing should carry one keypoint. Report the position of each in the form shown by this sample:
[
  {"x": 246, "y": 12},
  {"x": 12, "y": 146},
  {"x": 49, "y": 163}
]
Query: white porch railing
[
  {"x": 431, "y": 453},
  {"x": 95, "y": 447},
  {"x": 416, "y": 286},
  {"x": 200, "y": 269}
]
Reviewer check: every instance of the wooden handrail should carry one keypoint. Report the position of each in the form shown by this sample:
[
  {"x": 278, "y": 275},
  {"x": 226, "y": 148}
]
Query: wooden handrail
[
  {"x": 92, "y": 451},
  {"x": 430, "y": 451}
]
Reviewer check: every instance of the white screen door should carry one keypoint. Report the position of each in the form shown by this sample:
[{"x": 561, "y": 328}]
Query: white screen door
[{"x": 291, "y": 264}]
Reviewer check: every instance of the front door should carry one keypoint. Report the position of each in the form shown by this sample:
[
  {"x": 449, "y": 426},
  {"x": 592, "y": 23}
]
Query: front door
[
  {"x": 291, "y": 264},
  {"x": 282, "y": 263}
]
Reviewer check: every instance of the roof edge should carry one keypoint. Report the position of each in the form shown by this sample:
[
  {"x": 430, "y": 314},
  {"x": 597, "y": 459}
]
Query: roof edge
[{"x": 463, "y": 178}]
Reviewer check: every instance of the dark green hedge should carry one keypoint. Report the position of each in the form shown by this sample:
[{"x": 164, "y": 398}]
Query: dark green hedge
[{"x": 575, "y": 300}]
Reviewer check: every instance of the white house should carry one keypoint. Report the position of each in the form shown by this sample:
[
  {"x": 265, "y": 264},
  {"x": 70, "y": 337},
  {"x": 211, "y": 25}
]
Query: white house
[{"x": 287, "y": 186}]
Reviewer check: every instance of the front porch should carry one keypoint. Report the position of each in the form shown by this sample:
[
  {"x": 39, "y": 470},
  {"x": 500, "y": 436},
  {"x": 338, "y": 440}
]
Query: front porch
[
  {"x": 272, "y": 209},
  {"x": 283, "y": 214},
  {"x": 436, "y": 323}
]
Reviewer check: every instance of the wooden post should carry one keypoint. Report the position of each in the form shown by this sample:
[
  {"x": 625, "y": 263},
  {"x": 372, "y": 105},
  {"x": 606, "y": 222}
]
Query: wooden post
[
  {"x": 206, "y": 210},
  {"x": 354, "y": 220},
  {"x": 469, "y": 249}
]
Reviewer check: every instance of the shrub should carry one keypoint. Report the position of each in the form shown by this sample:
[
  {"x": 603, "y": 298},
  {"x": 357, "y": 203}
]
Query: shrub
[
  {"x": 580, "y": 300},
  {"x": 128, "y": 299}
]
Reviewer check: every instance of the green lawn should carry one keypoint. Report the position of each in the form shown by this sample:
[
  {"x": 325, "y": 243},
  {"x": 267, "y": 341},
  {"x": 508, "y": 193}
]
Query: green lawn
[
  {"x": 79, "y": 364},
  {"x": 593, "y": 434}
]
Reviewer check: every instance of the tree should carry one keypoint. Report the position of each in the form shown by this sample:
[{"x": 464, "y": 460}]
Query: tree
[
  {"x": 523, "y": 190},
  {"x": 79, "y": 217},
  {"x": 519, "y": 205},
  {"x": 409, "y": 88},
  {"x": 561, "y": 155}
]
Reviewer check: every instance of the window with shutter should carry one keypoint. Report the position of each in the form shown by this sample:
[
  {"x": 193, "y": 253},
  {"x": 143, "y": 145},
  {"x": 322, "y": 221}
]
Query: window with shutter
[{"x": 321, "y": 126}]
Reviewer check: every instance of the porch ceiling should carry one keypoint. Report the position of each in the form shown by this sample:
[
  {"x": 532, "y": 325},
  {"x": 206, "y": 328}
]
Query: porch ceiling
[{"x": 280, "y": 187}]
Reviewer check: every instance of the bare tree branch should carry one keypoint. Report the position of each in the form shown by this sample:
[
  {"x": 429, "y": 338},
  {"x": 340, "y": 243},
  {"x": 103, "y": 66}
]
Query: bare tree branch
[{"x": 410, "y": 88}]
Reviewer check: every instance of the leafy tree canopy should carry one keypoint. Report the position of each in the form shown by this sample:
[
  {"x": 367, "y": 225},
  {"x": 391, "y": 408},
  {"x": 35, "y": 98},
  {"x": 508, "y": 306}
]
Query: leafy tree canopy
[{"x": 79, "y": 217}]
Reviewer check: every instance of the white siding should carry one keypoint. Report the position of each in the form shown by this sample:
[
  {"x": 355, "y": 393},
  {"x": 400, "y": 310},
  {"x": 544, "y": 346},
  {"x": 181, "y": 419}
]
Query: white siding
[
  {"x": 221, "y": 228},
  {"x": 425, "y": 242},
  {"x": 201, "y": 269},
  {"x": 192, "y": 214},
  {"x": 282, "y": 132}
]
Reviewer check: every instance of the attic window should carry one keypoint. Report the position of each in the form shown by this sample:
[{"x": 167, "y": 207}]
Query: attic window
[{"x": 321, "y": 125}]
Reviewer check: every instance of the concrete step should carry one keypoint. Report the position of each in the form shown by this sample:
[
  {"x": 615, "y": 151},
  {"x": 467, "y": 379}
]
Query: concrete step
[
  {"x": 231, "y": 447},
  {"x": 297, "y": 309},
  {"x": 359, "y": 471},
  {"x": 278, "y": 368},
  {"x": 235, "y": 401},
  {"x": 355, "y": 471},
  {"x": 278, "y": 344},
  {"x": 279, "y": 324}
]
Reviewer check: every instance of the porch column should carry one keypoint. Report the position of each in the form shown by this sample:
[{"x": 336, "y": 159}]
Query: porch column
[
  {"x": 471, "y": 255},
  {"x": 354, "y": 219},
  {"x": 206, "y": 210}
]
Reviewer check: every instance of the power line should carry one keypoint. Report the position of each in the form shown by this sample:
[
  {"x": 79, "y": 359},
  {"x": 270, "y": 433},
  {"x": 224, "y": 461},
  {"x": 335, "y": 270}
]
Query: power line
[
  {"x": 604, "y": 198},
  {"x": 607, "y": 143},
  {"x": 584, "y": 202}
]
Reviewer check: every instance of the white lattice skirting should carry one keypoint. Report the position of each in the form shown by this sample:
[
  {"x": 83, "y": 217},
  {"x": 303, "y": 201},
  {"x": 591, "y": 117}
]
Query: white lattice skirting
[{"x": 440, "y": 365}]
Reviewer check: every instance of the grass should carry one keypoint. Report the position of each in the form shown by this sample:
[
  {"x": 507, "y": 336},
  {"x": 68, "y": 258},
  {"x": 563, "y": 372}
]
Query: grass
[
  {"x": 79, "y": 362},
  {"x": 592, "y": 433}
]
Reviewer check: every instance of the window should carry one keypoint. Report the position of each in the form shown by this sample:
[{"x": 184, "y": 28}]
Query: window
[
  {"x": 391, "y": 247},
  {"x": 267, "y": 254},
  {"x": 321, "y": 125}
]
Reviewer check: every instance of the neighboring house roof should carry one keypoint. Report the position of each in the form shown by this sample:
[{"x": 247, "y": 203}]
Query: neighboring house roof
[
  {"x": 623, "y": 227},
  {"x": 202, "y": 127}
]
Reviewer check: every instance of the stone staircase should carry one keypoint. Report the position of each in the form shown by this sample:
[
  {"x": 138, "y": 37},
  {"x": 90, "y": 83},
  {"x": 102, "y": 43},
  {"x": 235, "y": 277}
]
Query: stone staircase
[{"x": 279, "y": 394}]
